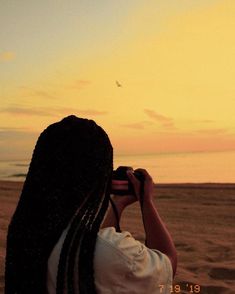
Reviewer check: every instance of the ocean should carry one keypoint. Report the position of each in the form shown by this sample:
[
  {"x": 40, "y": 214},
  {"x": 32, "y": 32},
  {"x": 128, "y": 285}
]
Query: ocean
[{"x": 195, "y": 167}]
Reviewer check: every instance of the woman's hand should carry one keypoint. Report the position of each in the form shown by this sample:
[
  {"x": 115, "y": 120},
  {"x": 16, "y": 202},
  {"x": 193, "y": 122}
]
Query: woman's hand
[
  {"x": 124, "y": 200},
  {"x": 148, "y": 185},
  {"x": 120, "y": 202}
]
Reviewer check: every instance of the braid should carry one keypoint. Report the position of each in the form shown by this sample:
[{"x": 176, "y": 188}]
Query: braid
[
  {"x": 67, "y": 183},
  {"x": 83, "y": 245},
  {"x": 71, "y": 258},
  {"x": 78, "y": 236},
  {"x": 86, "y": 257},
  {"x": 81, "y": 237},
  {"x": 62, "y": 269}
]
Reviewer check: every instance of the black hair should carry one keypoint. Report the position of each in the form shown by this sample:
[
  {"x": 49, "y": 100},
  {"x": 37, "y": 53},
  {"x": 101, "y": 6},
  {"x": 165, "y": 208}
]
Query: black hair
[{"x": 68, "y": 182}]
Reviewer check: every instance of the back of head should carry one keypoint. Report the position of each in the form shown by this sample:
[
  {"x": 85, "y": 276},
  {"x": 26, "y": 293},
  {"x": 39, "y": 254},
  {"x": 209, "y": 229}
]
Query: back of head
[{"x": 68, "y": 179}]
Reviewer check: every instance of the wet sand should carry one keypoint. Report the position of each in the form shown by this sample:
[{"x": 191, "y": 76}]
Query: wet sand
[{"x": 200, "y": 218}]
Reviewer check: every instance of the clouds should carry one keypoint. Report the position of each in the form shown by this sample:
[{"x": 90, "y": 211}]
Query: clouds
[
  {"x": 137, "y": 126},
  {"x": 163, "y": 125},
  {"x": 165, "y": 122},
  {"x": 46, "y": 111},
  {"x": 14, "y": 133},
  {"x": 26, "y": 111},
  {"x": 30, "y": 92},
  {"x": 7, "y": 56},
  {"x": 212, "y": 132},
  {"x": 78, "y": 84},
  {"x": 91, "y": 112},
  {"x": 16, "y": 142}
]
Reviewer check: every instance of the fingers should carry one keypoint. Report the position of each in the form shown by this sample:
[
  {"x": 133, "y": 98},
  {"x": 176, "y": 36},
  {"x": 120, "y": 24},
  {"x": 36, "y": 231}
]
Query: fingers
[
  {"x": 148, "y": 184},
  {"x": 124, "y": 200},
  {"x": 132, "y": 178},
  {"x": 147, "y": 176},
  {"x": 135, "y": 182}
]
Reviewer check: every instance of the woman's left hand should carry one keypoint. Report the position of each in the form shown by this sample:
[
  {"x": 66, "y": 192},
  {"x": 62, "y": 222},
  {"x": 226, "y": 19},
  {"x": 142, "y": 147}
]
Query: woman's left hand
[{"x": 124, "y": 200}]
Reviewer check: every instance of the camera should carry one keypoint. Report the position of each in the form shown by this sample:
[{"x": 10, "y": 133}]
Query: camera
[{"x": 121, "y": 184}]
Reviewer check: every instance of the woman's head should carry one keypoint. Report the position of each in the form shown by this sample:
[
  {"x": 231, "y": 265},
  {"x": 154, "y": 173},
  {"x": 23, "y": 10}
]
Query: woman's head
[
  {"x": 71, "y": 158},
  {"x": 68, "y": 179}
]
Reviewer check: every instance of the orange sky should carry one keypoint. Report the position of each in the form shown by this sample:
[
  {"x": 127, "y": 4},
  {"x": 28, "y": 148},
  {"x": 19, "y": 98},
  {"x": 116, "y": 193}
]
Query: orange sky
[{"x": 175, "y": 63}]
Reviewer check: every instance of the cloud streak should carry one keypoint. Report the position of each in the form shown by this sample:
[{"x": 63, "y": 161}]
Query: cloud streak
[
  {"x": 8, "y": 134},
  {"x": 88, "y": 111},
  {"x": 79, "y": 84},
  {"x": 137, "y": 126},
  {"x": 166, "y": 122},
  {"x": 26, "y": 91},
  {"x": 16, "y": 143},
  {"x": 212, "y": 132},
  {"x": 10, "y": 129},
  {"x": 42, "y": 111},
  {"x": 26, "y": 111}
]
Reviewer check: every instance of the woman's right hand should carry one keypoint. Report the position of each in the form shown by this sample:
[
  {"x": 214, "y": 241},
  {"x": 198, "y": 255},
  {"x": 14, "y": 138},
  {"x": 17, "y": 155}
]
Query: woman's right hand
[{"x": 148, "y": 185}]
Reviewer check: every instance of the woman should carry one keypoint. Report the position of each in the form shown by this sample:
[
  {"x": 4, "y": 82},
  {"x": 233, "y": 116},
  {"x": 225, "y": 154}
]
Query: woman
[{"x": 55, "y": 242}]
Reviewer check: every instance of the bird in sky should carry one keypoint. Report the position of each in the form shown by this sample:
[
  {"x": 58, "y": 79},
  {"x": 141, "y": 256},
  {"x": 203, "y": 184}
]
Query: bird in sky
[{"x": 118, "y": 84}]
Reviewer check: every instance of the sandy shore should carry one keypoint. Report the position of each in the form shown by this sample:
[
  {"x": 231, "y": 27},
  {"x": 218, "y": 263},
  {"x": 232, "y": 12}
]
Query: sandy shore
[{"x": 201, "y": 219}]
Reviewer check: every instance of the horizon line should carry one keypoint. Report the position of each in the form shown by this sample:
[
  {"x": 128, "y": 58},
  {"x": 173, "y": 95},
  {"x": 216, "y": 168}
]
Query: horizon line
[{"x": 139, "y": 154}]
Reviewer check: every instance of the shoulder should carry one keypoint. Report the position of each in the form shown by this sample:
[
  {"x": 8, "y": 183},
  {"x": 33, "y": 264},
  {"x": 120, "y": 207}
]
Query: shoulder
[
  {"x": 121, "y": 242},
  {"x": 124, "y": 259}
]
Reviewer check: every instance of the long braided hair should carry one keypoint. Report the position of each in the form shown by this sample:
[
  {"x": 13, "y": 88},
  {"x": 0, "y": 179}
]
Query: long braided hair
[{"x": 68, "y": 182}]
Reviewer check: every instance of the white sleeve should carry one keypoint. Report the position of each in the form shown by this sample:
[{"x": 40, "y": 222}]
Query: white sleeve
[
  {"x": 125, "y": 265},
  {"x": 151, "y": 271}
]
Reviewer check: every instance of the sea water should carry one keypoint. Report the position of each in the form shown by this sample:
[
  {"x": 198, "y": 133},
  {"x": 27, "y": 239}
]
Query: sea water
[{"x": 195, "y": 167}]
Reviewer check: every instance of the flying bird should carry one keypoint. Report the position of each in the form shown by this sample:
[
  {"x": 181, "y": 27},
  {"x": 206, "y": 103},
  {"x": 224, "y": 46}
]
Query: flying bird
[{"x": 118, "y": 84}]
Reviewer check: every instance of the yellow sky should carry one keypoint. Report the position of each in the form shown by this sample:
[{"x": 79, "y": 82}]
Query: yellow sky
[{"x": 176, "y": 67}]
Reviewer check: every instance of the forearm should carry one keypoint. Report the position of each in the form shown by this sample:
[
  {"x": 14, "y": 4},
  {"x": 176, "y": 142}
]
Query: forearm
[
  {"x": 157, "y": 235},
  {"x": 110, "y": 219}
]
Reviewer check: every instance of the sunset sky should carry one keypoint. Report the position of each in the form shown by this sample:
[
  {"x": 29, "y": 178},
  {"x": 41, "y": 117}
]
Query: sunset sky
[{"x": 174, "y": 59}]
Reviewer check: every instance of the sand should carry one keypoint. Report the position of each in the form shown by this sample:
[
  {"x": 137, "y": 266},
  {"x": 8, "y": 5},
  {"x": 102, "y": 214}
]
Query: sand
[{"x": 200, "y": 218}]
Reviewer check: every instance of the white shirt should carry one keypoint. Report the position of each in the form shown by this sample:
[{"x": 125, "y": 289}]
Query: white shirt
[{"x": 122, "y": 265}]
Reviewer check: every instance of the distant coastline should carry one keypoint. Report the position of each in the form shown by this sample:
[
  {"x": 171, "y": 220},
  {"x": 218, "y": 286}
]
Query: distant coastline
[{"x": 159, "y": 185}]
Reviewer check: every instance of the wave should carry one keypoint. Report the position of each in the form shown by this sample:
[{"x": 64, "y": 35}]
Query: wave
[{"x": 17, "y": 176}]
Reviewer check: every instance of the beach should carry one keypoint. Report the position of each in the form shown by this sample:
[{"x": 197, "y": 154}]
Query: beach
[{"x": 200, "y": 218}]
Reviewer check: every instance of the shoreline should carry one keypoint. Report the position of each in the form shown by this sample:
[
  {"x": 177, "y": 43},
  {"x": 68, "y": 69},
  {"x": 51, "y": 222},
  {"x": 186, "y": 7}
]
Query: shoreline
[{"x": 191, "y": 185}]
